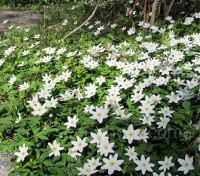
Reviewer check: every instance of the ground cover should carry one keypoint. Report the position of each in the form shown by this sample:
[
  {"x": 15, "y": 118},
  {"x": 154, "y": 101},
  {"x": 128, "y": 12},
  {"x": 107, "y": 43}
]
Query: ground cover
[{"x": 111, "y": 99}]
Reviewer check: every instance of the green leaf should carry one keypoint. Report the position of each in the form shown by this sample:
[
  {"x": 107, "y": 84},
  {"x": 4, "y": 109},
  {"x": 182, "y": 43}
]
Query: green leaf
[
  {"x": 24, "y": 170},
  {"x": 53, "y": 170},
  {"x": 6, "y": 121},
  {"x": 44, "y": 155},
  {"x": 37, "y": 153},
  {"x": 41, "y": 136},
  {"x": 186, "y": 105},
  {"x": 48, "y": 163}
]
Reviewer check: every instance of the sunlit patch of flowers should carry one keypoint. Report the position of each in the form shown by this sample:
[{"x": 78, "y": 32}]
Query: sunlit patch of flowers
[{"x": 102, "y": 105}]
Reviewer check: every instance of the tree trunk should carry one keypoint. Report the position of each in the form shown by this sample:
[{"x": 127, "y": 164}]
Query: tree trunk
[
  {"x": 165, "y": 7},
  {"x": 145, "y": 12},
  {"x": 159, "y": 7},
  {"x": 148, "y": 10},
  {"x": 130, "y": 13},
  {"x": 153, "y": 14},
  {"x": 168, "y": 10}
]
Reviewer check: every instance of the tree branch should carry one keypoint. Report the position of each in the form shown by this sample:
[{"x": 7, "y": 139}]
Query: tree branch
[{"x": 76, "y": 29}]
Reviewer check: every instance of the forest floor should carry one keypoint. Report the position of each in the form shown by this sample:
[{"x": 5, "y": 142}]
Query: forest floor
[{"x": 25, "y": 19}]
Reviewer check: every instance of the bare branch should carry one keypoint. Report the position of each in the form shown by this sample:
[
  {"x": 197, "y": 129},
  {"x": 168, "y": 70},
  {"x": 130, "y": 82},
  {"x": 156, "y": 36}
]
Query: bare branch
[{"x": 76, "y": 29}]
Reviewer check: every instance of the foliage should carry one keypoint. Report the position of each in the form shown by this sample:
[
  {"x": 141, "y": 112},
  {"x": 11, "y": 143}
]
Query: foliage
[{"x": 105, "y": 80}]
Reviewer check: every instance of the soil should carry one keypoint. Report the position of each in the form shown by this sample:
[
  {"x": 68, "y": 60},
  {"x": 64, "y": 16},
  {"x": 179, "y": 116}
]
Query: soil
[{"x": 25, "y": 19}]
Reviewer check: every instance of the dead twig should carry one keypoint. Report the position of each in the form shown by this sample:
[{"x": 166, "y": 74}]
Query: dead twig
[{"x": 76, "y": 29}]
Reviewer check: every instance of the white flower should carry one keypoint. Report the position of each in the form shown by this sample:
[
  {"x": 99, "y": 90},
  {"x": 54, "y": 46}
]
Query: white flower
[
  {"x": 123, "y": 28},
  {"x": 193, "y": 83},
  {"x": 96, "y": 33},
  {"x": 144, "y": 135},
  {"x": 24, "y": 86},
  {"x": 131, "y": 134},
  {"x": 10, "y": 27},
  {"x": 99, "y": 137},
  {"x": 22, "y": 153},
  {"x": 71, "y": 122},
  {"x": 90, "y": 90},
  {"x": 138, "y": 38},
  {"x": 33, "y": 102},
  {"x": 79, "y": 144},
  {"x": 113, "y": 25},
  {"x": 188, "y": 20},
  {"x": 49, "y": 85},
  {"x": 144, "y": 165},
  {"x": 173, "y": 98},
  {"x": 112, "y": 164},
  {"x": 5, "y": 21},
  {"x": 12, "y": 80},
  {"x": 19, "y": 118},
  {"x": 147, "y": 120},
  {"x": 46, "y": 59},
  {"x": 100, "y": 113},
  {"x": 97, "y": 22},
  {"x": 9, "y": 51},
  {"x": 36, "y": 36},
  {"x": 166, "y": 112},
  {"x": 86, "y": 170},
  {"x": 101, "y": 80},
  {"x": 137, "y": 96},
  {"x": 94, "y": 163},
  {"x": 105, "y": 147},
  {"x": 67, "y": 95},
  {"x": 131, "y": 153},
  {"x": 44, "y": 93},
  {"x": 147, "y": 109},
  {"x": 166, "y": 164},
  {"x": 163, "y": 122},
  {"x": 39, "y": 109},
  {"x": 51, "y": 103},
  {"x": 21, "y": 64},
  {"x": 1, "y": 62},
  {"x": 90, "y": 27},
  {"x": 88, "y": 108},
  {"x": 100, "y": 28},
  {"x": 162, "y": 174},
  {"x": 65, "y": 22},
  {"x": 55, "y": 148},
  {"x": 168, "y": 18},
  {"x": 131, "y": 31},
  {"x": 73, "y": 153},
  {"x": 187, "y": 164},
  {"x": 26, "y": 52}
]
